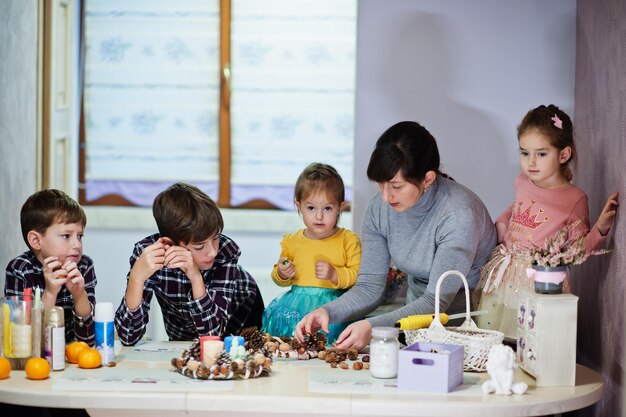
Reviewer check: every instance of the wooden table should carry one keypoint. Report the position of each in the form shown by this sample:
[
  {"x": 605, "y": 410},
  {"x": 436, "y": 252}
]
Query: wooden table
[{"x": 141, "y": 385}]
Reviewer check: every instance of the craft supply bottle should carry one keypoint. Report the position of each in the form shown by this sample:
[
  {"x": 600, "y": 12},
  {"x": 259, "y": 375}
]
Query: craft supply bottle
[
  {"x": 104, "y": 332},
  {"x": 384, "y": 349},
  {"x": 36, "y": 317},
  {"x": 55, "y": 338}
]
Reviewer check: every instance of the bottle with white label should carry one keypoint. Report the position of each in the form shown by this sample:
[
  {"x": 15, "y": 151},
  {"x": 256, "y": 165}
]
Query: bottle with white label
[
  {"x": 55, "y": 338},
  {"x": 104, "y": 332}
]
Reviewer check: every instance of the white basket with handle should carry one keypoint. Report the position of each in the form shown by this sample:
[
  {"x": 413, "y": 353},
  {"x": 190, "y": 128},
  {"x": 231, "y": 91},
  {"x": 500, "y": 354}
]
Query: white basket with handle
[{"x": 476, "y": 341}]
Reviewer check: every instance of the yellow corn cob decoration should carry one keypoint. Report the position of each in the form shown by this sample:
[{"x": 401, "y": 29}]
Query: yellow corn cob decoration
[
  {"x": 6, "y": 322},
  {"x": 419, "y": 321}
]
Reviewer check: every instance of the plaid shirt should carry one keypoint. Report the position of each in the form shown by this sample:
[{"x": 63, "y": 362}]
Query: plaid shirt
[
  {"x": 26, "y": 271},
  {"x": 224, "y": 309}
]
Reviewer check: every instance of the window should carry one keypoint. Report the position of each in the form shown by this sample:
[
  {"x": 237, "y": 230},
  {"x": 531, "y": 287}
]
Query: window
[{"x": 235, "y": 97}]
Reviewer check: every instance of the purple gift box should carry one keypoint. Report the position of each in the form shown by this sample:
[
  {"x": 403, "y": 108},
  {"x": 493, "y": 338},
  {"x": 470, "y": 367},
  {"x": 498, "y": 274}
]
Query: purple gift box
[{"x": 432, "y": 367}]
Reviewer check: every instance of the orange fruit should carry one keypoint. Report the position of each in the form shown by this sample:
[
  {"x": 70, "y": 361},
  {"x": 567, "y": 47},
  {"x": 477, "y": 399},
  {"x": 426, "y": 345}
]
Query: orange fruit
[
  {"x": 37, "y": 368},
  {"x": 73, "y": 350},
  {"x": 89, "y": 359},
  {"x": 5, "y": 368}
]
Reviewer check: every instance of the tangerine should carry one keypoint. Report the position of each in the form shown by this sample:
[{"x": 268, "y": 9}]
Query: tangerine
[
  {"x": 37, "y": 368},
  {"x": 5, "y": 368},
  {"x": 73, "y": 350},
  {"x": 89, "y": 359}
]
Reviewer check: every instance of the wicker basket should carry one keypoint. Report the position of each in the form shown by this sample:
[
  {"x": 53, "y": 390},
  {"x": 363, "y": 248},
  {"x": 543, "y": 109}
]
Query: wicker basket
[{"x": 476, "y": 342}]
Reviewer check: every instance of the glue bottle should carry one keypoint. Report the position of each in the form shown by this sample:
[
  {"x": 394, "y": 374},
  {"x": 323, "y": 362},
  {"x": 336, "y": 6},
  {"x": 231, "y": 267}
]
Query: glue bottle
[{"x": 104, "y": 332}]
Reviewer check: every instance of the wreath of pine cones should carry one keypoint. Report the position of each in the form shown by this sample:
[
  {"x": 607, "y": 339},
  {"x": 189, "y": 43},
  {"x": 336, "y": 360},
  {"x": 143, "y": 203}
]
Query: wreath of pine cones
[{"x": 257, "y": 364}]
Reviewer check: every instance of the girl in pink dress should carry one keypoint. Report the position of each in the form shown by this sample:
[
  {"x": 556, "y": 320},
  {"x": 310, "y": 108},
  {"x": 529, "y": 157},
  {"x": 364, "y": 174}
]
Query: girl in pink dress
[{"x": 545, "y": 201}]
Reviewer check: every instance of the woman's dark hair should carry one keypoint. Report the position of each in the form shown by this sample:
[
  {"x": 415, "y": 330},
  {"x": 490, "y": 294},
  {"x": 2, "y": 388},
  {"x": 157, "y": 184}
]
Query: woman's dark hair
[
  {"x": 555, "y": 125},
  {"x": 406, "y": 147}
]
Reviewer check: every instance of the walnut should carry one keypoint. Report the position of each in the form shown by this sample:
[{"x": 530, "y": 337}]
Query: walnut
[
  {"x": 333, "y": 364},
  {"x": 344, "y": 365},
  {"x": 352, "y": 354},
  {"x": 366, "y": 366}
]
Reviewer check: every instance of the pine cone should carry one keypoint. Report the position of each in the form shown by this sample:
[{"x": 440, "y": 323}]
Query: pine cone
[
  {"x": 224, "y": 359},
  {"x": 295, "y": 344},
  {"x": 315, "y": 341},
  {"x": 253, "y": 337},
  {"x": 248, "y": 332},
  {"x": 256, "y": 341},
  {"x": 193, "y": 352}
]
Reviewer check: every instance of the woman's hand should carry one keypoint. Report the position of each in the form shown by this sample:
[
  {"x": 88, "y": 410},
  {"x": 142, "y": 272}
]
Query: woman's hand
[
  {"x": 355, "y": 336},
  {"x": 312, "y": 322}
]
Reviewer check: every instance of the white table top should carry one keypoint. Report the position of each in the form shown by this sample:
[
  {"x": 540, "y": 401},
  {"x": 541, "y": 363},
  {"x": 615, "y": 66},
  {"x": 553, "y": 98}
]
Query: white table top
[{"x": 141, "y": 385}]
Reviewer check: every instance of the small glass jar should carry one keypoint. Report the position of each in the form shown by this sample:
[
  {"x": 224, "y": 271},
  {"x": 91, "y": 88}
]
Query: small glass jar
[
  {"x": 16, "y": 327},
  {"x": 384, "y": 349}
]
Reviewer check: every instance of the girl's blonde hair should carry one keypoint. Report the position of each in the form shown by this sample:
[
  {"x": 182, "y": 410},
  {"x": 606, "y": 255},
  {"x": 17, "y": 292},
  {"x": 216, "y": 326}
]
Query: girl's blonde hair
[{"x": 318, "y": 177}]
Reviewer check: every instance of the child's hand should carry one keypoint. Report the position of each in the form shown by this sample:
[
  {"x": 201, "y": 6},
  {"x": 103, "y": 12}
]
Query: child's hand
[
  {"x": 179, "y": 257},
  {"x": 54, "y": 275},
  {"x": 605, "y": 221},
  {"x": 151, "y": 260},
  {"x": 325, "y": 271},
  {"x": 286, "y": 269},
  {"x": 75, "y": 282}
]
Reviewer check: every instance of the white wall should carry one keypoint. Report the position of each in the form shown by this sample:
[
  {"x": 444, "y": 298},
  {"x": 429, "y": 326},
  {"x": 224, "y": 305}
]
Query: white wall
[
  {"x": 468, "y": 71},
  {"x": 18, "y": 120}
]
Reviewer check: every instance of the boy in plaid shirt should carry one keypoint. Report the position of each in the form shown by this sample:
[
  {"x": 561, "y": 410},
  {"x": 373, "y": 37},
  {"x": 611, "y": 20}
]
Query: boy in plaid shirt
[
  {"x": 192, "y": 269},
  {"x": 52, "y": 227}
]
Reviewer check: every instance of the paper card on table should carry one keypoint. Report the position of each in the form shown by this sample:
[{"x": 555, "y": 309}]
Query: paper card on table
[
  {"x": 154, "y": 351},
  {"x": 348, "y": 381},
  {"x": 362, "y": 382},
  {"x": 136, "y": 379}
]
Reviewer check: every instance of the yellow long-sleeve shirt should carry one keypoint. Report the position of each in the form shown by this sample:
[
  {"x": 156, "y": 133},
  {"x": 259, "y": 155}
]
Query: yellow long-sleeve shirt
[{"x": 342, "y": 250}]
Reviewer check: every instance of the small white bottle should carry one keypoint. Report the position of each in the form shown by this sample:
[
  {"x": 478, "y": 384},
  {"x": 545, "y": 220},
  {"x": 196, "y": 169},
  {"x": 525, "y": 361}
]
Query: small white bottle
[
  {"x": 104, "y": 332},
  {"x": 55, "y": 338},
  {"x": 384, "y": 349}
]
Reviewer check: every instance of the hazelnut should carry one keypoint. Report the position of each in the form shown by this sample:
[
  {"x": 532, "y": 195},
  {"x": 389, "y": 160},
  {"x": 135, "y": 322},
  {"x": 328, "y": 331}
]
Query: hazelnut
[
  {"x": 193, "y": 365},
  {"x": 357, "y": 366},
  {"x": 366, "y": 358}
]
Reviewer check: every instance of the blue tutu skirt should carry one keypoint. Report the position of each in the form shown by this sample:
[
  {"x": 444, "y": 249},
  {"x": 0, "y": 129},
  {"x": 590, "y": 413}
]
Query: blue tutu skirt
[{"x": 285, "y": 311}]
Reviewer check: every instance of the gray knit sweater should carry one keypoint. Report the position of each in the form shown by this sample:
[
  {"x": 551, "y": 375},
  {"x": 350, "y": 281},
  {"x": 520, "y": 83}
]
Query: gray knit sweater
[{"x": 449, "y": 228}]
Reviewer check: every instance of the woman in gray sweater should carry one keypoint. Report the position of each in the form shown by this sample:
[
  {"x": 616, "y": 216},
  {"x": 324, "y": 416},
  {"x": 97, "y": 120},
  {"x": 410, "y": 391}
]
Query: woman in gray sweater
[{"x": 425, "y": 223}]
